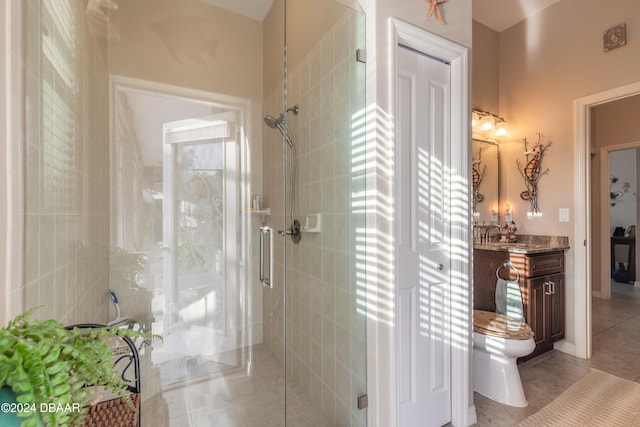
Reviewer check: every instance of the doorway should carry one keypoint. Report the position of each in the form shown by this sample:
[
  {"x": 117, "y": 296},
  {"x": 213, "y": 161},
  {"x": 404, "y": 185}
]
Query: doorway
[{"x": 583, "y": 204}]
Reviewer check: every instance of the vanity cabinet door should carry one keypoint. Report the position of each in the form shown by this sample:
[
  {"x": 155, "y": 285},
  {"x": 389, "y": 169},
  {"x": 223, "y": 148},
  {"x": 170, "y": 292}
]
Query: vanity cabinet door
[
  {"x": 544, "y": 307},
  {"x": 556, "y": 307},
  {"x": 536, "y": 301}
]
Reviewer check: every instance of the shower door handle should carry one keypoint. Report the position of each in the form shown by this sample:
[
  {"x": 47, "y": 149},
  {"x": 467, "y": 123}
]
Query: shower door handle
[{"x": 265, "y": 231}]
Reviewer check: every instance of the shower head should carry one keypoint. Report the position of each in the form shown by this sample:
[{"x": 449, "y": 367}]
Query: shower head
[
  {"x": 280, "y": 122},
  {"x": 274, "y": 122}
]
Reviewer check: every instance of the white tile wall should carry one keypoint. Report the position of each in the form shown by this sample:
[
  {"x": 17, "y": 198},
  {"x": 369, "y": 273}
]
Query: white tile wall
[
  {"x": 325, "y": 333},
  {"x": 67, "y": 173}
]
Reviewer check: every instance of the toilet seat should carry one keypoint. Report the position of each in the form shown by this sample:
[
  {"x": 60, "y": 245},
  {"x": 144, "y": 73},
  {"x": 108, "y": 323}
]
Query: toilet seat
[{"x": 499, "y": 325}]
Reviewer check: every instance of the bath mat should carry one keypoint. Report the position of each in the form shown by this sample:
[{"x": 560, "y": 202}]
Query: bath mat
[{"x": 598, "y": 399}]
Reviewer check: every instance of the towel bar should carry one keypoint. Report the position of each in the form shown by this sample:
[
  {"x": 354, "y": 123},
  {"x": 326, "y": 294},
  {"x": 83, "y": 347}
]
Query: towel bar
[{"x": 507, "y": 265}]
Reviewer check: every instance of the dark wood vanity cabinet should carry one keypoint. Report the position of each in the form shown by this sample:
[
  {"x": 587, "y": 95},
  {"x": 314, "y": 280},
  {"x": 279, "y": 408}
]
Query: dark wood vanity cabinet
[{"x": 542, "y": 286}]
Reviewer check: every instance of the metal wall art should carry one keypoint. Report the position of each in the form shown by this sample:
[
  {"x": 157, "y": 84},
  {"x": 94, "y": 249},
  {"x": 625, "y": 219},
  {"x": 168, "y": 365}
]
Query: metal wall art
[
  {"x": 478, "y": 170},
  {"x": 532, "y": 171},
  {"x": 435, "y": 9},
  {"x": 617, "y": 196}
]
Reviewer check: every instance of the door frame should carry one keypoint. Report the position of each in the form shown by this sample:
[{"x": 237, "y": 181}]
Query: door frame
[
  {"x": 12, "y": 188},
  {"x": 462, "y": 407},
  {"x": 582, "y": 204},
  {"x": 246, "y": 114}
]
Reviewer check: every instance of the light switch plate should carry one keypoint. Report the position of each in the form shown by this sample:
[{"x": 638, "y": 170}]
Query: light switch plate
[{"x": 563, "y": 214}]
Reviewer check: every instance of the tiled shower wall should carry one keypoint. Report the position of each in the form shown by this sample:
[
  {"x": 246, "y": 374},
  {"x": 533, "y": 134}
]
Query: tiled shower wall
[
  {"x": 67, "y": 164},
  {"x": 325, "y": 335}
]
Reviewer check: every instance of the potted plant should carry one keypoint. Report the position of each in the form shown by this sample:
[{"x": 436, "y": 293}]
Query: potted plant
[{"x": 51, "y": 370}]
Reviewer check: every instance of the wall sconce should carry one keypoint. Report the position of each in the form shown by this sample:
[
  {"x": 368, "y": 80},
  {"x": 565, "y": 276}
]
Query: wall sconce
[{"x": 488, "y": 126}]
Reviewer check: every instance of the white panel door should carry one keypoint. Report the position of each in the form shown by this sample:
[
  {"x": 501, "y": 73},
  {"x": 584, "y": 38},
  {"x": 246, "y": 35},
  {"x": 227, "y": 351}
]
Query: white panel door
[{"x": 423, "y": 228}]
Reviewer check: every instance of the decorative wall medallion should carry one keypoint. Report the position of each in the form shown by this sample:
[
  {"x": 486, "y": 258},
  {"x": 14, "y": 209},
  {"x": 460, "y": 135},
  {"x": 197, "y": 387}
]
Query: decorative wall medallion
[{"x": 615, "y": 37}]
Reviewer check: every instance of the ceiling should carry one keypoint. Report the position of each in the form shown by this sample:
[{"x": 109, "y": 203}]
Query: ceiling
[{"x": 502, "y": 14}]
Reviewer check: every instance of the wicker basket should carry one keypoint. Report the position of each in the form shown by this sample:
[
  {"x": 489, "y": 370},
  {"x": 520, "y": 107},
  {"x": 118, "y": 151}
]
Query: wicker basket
[{"x": 114, "y": 413}]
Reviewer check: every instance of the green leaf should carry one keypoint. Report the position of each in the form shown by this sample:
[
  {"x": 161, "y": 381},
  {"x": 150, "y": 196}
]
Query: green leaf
[
  {"x": 59, "y": 378},
  {"x": 60, "y": 390},
  {"x": 25, "y": 398},
  {"x": 52, "y": 356},
  {"x": 56, "y": 368}
]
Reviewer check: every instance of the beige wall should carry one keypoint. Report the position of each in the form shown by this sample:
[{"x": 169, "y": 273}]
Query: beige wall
[
  {"x": 485, "y": 69},
  {"x": 546, "y": 62},
  {"x": 273, "y": 50},
  {"x": 613, "y": 123},
  {"x": 190, "y": 44}
]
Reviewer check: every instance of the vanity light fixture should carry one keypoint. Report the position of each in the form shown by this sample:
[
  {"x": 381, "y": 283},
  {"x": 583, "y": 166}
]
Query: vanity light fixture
[
  {"x": 502, "y": 129},
  {"x": 488, "y": 126}
]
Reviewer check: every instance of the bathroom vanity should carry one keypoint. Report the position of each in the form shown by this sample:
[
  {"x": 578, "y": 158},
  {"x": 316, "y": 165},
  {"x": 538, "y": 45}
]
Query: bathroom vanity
[{"x": 539, "y": 269}]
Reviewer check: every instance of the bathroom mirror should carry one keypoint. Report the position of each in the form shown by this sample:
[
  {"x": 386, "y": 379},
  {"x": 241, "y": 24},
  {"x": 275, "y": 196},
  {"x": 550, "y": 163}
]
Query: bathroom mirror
[{"x": 485, "y": 180}]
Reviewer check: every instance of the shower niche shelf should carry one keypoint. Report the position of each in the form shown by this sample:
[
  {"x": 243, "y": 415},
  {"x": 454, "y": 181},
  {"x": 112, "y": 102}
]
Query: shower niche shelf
[{"x": 265, "y": 212}]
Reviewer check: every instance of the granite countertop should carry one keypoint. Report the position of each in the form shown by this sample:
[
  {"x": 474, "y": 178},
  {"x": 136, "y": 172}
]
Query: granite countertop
[{"x": 527, "y": 244}]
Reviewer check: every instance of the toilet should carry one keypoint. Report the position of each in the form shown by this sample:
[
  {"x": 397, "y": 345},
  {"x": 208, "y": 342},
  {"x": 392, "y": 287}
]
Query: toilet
[{"x": 498, "y": 341}]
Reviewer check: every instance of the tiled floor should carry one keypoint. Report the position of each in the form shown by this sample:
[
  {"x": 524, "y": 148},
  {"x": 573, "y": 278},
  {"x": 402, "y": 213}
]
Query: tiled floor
[
  {"x": 615, "y": 345},
  {"x": 234, "y": 399}
]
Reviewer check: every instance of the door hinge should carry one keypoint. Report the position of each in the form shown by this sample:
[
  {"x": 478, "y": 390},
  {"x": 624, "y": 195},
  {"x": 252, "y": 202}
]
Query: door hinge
[
  {"x": 363, "y": 402},
  {"x": 361, "y": 55}
]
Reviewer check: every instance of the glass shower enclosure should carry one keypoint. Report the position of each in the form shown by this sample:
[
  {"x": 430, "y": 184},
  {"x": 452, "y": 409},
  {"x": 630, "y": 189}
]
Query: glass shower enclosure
[{"x": 196, "y": 169}]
